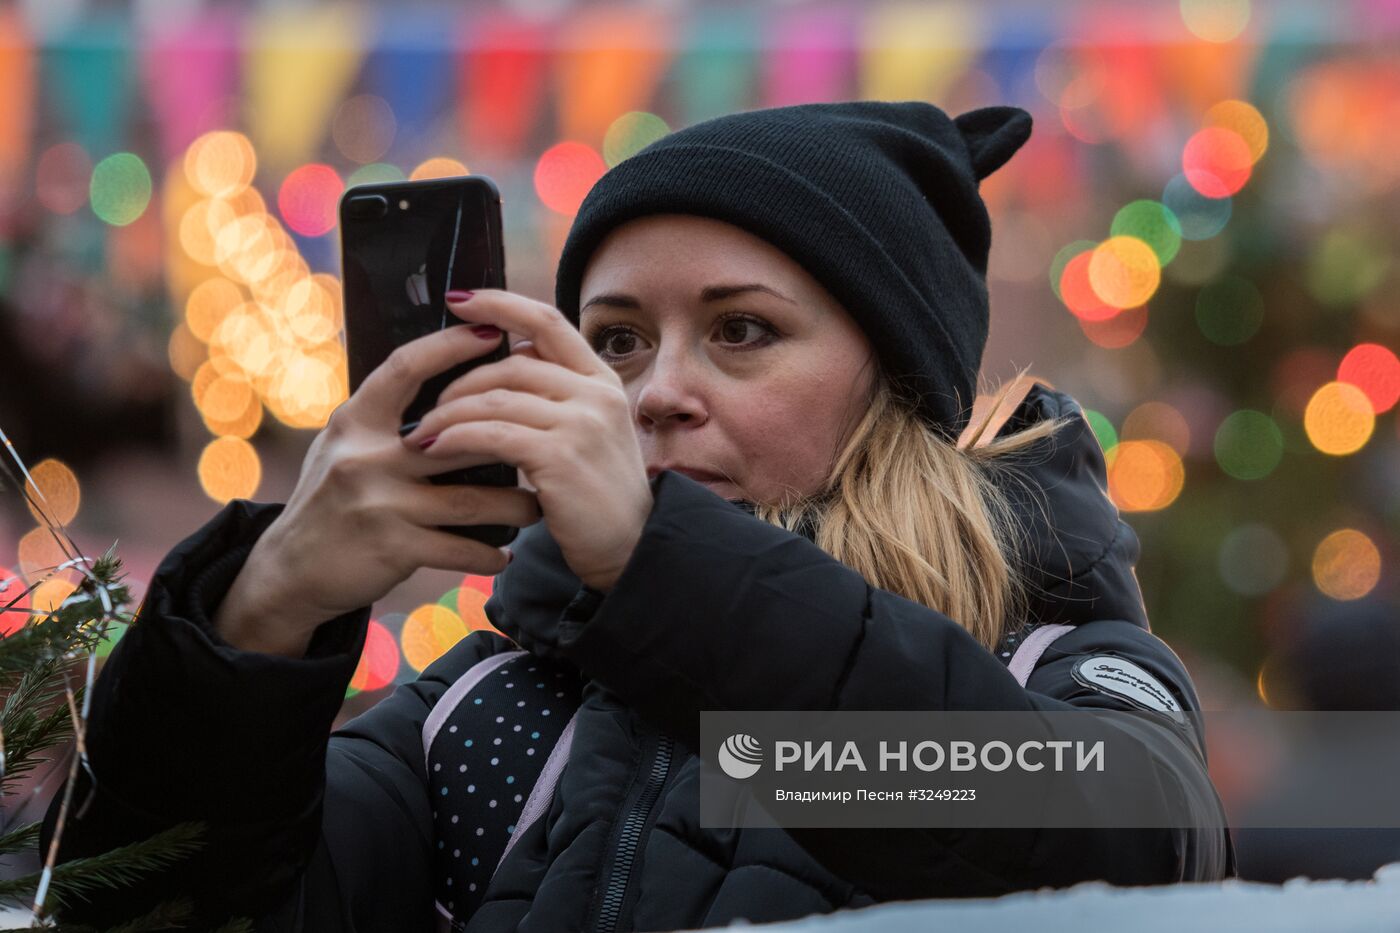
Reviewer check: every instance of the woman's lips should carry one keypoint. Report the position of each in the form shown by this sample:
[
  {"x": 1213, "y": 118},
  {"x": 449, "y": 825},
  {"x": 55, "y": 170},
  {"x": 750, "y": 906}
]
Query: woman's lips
[{"x": 700, "y": 476}]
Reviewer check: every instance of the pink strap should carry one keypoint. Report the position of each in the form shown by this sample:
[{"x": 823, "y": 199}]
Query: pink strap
[
  {"x": 543, "y": 791},
  {"x": 455, "y": 694},
  {"x": 1026, "y": 656}
]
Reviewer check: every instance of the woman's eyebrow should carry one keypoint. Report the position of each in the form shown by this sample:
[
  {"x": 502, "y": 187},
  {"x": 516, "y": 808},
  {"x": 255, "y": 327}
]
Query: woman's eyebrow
[{"x": 709, "y": 293}]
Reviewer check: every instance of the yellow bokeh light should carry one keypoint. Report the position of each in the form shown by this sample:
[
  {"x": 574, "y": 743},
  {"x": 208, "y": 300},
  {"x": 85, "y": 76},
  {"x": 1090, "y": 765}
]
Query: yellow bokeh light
[
  {"x": 438, "y": 167},
  {"x": 428, "y": 632},
  {"x": 1339, "y": 418},
  {"x": 229, "y": 468},
  {"x": 1346, "y": 564},
  {"x": 54, "y": 486},
  {"x": 185, "y": 351},
  {"x": 221, "y": 163},
  {"x": 199, "y": 228},
  {"x": 50, "y": 594},
  {"x": 243, "y": 425},
  {"x": 1215, "y": 20},
  {"x": 38, "y": 553},
  {"x": 211, "y": 301},
  {"x": 1124, "y": 272},
  {"x": 1245, "y": 121},
  {"x": 225, "y": 398},
  {"x": 1144, "y": 475}
]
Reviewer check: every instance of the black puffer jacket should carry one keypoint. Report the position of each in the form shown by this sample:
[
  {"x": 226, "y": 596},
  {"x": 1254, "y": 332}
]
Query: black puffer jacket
[{"x": 716, "y": 610}]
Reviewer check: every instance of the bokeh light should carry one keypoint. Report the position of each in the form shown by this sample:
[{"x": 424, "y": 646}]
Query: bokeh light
[
  {"x": 308, "y": 199},
  {"x": 1200, "y": 217},
  {"x": 1124, "y": 272},
  {"x": 1248, "y": 445},
  {"x": 1229, "y": 310},
  {"x": 54, "y": 486},
  {"x": 429, "y": 632},
  {"x": 1158, "y": 421},
  {"x": 438, "y": 167},
  {"x": 1339, "y": 419},
  {"x": 1215, "y": 20},
  {"x": 565, "y": 173},
  {"x": 1253, "y": 559},
  {"x": 630, "y": 133},
  {"x": 376, "y": 173},
  {"x": 1346, "y": 265},
  {"x": 1152, "y": 223},
  {"x": 120, "y": 189},
  {"x": 1346, "y": 564},
  {"x": 1375, "y": 370},
  {"x": 221, "y": 164},
  {"x": 62, "y": 177},
  {"x": 229, "y": 468},
  {"x": 364, "y": 128},
  {"x": 1217, "y": 162},
  {"x": 14, "y": 596},
  {"x": 1144, "y": 476},
  {"x": 379, "y": 661},
  {"x": 1243, "y": 119},
  {"x": 1102, "y": 428}
]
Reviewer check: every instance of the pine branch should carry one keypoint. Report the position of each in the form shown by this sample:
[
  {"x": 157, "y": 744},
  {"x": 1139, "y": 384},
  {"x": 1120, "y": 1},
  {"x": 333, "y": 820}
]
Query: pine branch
[
  {"x": 118, "y": 868},
  {"x": 21, "y": 838},
  {"x": 168, "y": 914}
]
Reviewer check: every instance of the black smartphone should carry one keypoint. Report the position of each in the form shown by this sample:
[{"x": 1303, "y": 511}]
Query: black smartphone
[{"x": 403, "y": 246}]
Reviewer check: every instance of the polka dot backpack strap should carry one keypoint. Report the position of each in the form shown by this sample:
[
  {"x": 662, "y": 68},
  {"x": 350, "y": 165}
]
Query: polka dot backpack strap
[{"x": 494, "y": 745}]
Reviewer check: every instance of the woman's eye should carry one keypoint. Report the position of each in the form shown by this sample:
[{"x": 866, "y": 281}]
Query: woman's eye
[{"x": 732, "y": 330}]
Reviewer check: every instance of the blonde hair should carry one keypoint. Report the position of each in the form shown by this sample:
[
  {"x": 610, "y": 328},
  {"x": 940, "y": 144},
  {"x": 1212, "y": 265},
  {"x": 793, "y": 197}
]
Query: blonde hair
[{"x": 921, "y": 517}]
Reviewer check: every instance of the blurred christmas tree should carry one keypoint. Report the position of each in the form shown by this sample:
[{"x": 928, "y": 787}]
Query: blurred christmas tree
[{"x": 42, "y": 711}]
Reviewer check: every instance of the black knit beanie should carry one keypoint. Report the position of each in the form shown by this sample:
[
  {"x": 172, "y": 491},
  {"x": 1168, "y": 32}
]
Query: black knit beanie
[{"x": 877, "y": 200}]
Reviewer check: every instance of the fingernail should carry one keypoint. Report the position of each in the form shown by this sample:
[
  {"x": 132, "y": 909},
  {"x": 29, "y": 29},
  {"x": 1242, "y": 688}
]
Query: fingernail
[
  {"x": 486, "y": 331},
  {"x": 459, "y": 297},
  {"x": 510, "y": 555},
  {"x": 425, "y": 444}
]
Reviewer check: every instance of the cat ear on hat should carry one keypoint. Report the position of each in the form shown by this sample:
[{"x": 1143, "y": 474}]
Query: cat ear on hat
[{"x": 993, "y": 134}]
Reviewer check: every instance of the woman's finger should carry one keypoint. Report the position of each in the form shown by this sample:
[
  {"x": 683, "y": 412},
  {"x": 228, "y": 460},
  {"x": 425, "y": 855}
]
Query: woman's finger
[
  {"x": 430, "y": 504},
  {"x": 500, "y": 404},
  {"x": 527, "y": 374},
  {"x": 553, "y": 337},
  {"x": 393, "y": 384}
]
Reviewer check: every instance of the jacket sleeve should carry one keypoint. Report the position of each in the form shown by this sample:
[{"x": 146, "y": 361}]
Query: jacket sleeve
[
  {"x": 186, "y": 727},
  {"x": 719, "y": 610}
]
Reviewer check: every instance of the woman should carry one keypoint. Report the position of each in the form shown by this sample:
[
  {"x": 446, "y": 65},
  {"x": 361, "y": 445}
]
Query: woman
[{"x": 782, "y": 310}]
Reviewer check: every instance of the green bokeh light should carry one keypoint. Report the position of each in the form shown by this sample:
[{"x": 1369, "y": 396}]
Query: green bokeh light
[
  {"x": 1154, "y": 224},
  {"x": 1103, "y": 428},
  {"x": 121, "y": 189},
  {"x": 1248, "y": 444},
  {"x": 1346, "y": 266},
  {"x": 630, "y": 133},
  {"x": 1229, "y": 310},
  {"x": 375, "y": 173}
]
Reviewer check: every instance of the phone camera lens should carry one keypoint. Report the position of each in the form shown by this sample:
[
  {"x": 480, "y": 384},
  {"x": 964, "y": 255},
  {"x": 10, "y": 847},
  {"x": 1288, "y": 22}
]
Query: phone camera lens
[{"x": 368, "y": 207}]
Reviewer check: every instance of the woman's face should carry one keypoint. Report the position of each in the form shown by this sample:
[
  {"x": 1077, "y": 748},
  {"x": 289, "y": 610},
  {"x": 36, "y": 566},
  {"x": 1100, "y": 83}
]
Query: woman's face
[{"x": 736, "y": 361}]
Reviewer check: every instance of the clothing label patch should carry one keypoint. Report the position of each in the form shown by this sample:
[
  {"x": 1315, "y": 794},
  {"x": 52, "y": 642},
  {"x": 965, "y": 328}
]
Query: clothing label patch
[{"x": 1120, "y": 677}]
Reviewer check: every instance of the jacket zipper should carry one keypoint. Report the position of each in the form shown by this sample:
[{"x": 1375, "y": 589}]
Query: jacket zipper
[{"x": 611, "y": 909}]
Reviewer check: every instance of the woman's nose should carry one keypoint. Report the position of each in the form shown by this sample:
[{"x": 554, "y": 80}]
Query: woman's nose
[{"x": 671, "y": 390}]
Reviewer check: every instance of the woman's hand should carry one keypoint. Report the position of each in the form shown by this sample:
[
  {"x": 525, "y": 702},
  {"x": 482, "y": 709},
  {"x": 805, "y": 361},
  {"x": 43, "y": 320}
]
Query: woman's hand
[
  {"x": 364, "y": 514},
  {"x": 561, "y": 416}
]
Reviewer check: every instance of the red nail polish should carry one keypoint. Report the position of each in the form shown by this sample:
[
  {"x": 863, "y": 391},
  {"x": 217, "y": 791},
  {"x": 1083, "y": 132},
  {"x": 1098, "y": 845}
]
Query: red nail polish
[
  {"x": 486, "y": 331},
  {"x": 425, "y": 444},
  {"x": 458, "y": 297}
]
